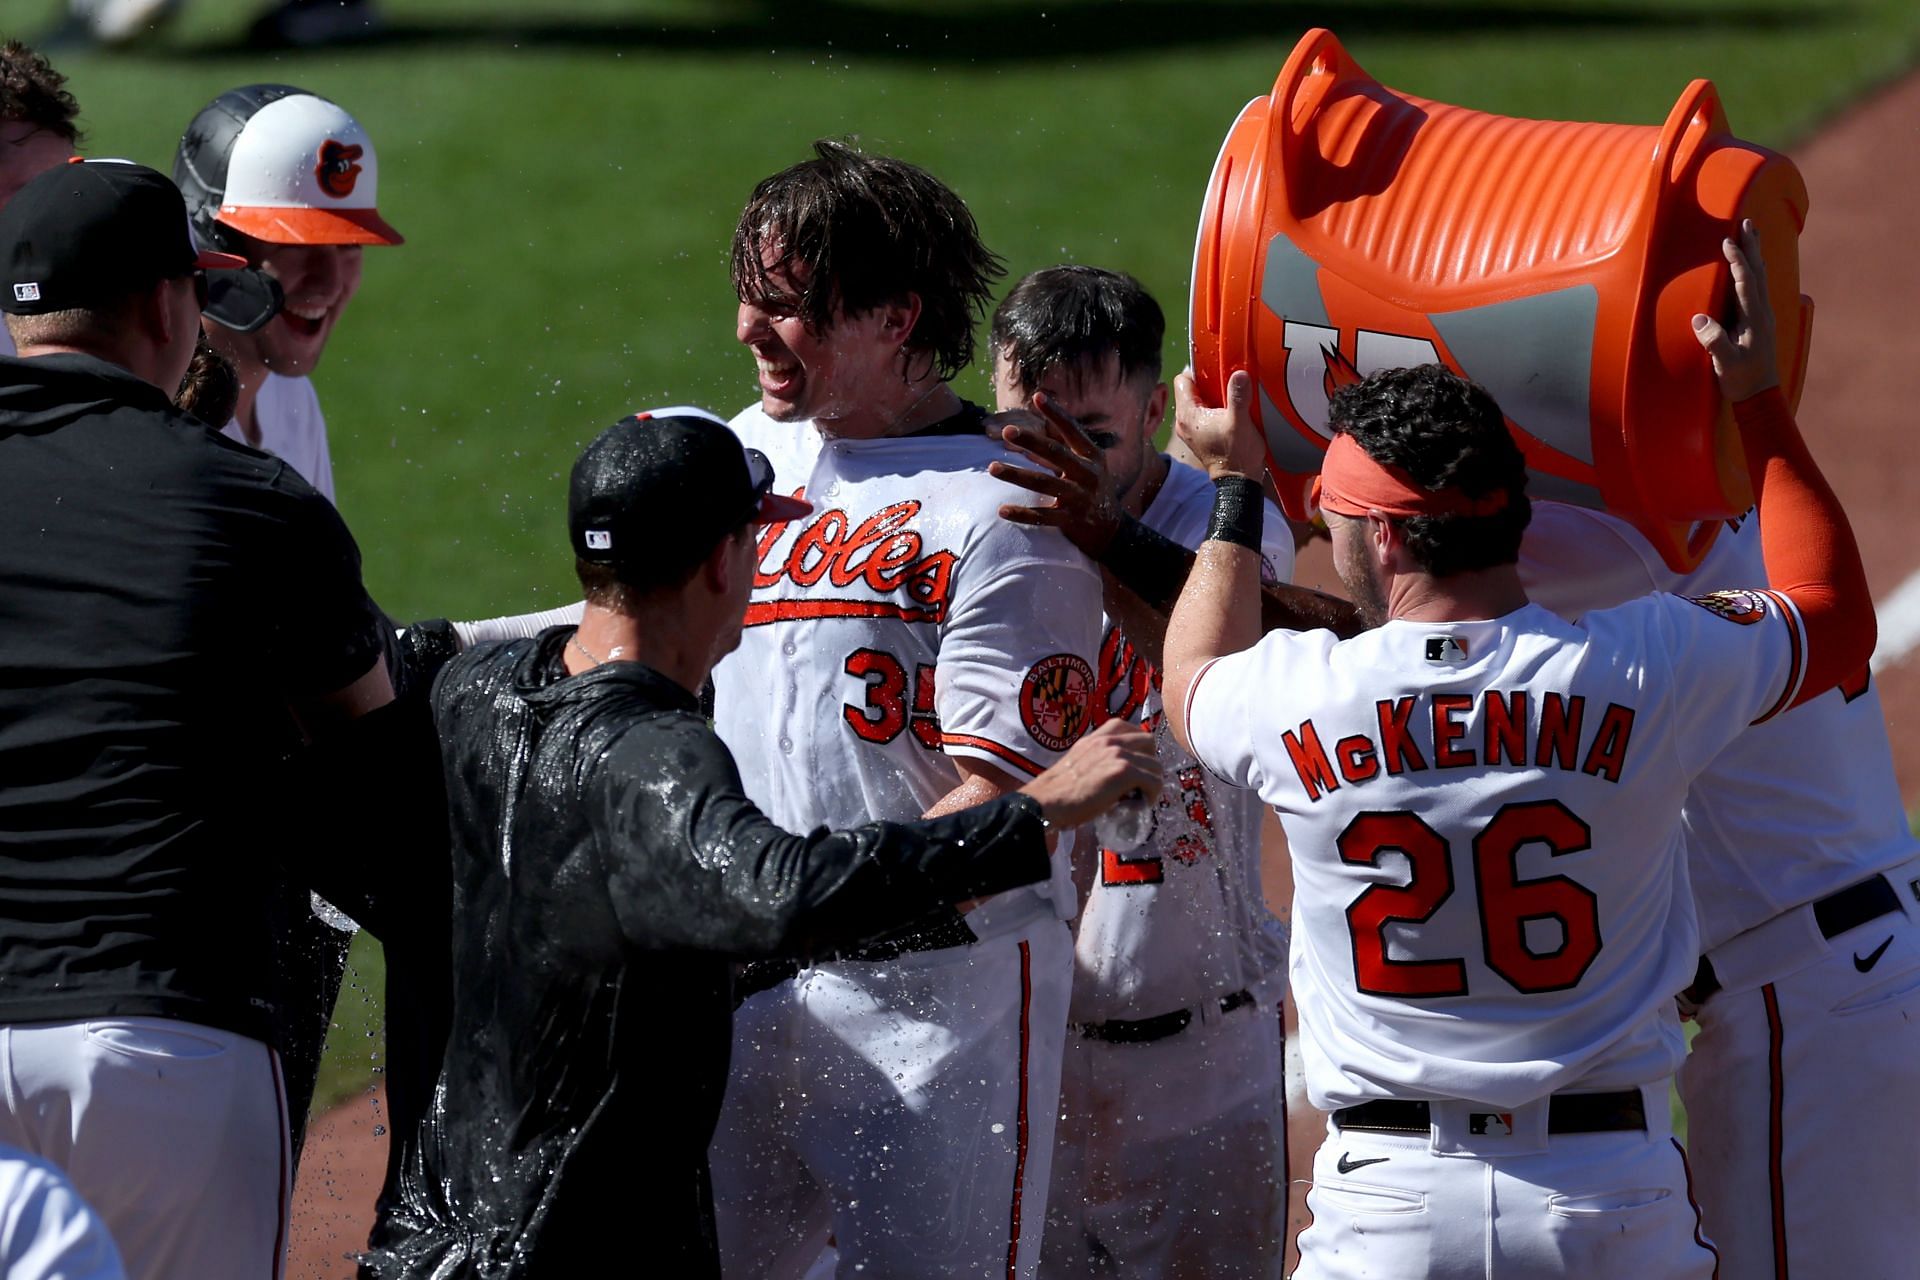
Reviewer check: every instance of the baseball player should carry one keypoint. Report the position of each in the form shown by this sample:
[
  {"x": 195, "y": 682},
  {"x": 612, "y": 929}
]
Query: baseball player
[
  {"x": 289, "y": 181},
  {"x": 37, "y": 129},
  {"x": 906, "y": 652},
  {"x": 1170, "y": 1156},
  {"x": 593, "y": 901},
  {"x": 1804, "y": 1080},
  {"x": 1482, "y": 804},
  {"x": 173, "y": 596}
]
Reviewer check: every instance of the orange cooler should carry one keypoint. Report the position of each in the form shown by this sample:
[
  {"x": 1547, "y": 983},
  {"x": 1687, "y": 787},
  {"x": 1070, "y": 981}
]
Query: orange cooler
[{"x": 1350, "y": 228}]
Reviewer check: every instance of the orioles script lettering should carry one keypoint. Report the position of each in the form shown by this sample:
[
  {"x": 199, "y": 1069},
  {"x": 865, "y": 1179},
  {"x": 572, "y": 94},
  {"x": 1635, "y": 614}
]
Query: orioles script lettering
[{"x": 877, "y": 568}]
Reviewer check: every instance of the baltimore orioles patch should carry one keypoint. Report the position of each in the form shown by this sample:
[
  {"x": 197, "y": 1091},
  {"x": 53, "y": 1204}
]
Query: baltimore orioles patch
[
  {"x": 1743, "y": 607},
  {"x": 1056, "y": 700},
  {"x": 339, "y": 168}
]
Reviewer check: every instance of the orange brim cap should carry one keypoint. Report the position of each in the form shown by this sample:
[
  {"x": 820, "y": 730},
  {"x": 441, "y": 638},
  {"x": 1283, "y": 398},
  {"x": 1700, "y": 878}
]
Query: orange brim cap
[
  {"x": 288, "y": 225},
  {"x": 208, "y": 260},
  {"x": 776, "y": 507}
]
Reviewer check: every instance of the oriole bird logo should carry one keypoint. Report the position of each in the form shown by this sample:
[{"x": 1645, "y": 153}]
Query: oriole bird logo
[{"x": 339, "y": 168}]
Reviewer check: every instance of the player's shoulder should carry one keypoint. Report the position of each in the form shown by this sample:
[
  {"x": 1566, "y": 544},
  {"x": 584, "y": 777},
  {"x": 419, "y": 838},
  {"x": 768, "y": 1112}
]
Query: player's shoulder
[
  {"x": 288, "y": 395},
  {"x": 1181, "y": 509}
]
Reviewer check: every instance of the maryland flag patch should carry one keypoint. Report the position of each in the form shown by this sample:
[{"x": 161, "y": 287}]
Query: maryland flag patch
[
  {"x": 1056, "y": 700},
  {"x": 1743, "y": 607}
]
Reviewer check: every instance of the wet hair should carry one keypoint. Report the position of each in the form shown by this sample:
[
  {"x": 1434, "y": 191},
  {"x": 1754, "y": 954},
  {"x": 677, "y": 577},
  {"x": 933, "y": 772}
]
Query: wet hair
[
  {"x": 32, "y": 92},
  {"x": 1445, "y": 432},
  {"x": 866, "y": 230},
  {"x": 210, "y": 391},
  {"x": 1074, "y": 318}
]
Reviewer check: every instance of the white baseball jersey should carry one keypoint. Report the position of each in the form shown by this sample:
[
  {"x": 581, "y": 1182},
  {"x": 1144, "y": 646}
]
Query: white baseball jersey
[
  {"x": 47, "y": 1232},
  {"x": 292, "y": 429},
  {"x": 1181, "y": 919},
  {"x": 1490, "y": 901},
  {"x": 1791, "y": 811},
  {"x": 901, "y": 624}
]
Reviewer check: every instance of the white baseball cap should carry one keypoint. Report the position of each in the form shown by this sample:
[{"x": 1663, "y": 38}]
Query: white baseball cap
[{"x": 303, "y": 171}]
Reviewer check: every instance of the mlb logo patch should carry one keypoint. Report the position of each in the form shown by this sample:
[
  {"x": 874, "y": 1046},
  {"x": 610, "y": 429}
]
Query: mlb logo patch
[
  {"x": 28, "y": 292},
  {"x": 1444, "y": 650},
  {"x": 599, "y": 540},
  {"x": 1496, "y": 1124}
]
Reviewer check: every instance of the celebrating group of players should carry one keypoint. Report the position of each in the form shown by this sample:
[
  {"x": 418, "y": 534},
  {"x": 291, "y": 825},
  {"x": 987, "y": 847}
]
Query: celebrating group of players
[{"x": 1536, "y": 807}]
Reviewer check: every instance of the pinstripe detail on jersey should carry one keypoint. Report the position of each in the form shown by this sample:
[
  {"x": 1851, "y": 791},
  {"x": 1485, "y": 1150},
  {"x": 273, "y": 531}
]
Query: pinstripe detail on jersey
[
  {"x": 994, "y": 749},
  {"x": 1020, "y": 1120},
  {"x": 1192, "y": 686},
  {"x": 1797, "y": 669},
  {"x": 1699, "y": 1236},
  {"x": 1776, "y": 1132},
  {"x": 286, "y": 1175},
  {"x": 762, "y": 612}
]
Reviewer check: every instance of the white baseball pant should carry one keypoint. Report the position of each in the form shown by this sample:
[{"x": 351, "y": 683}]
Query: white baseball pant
[
  {"x": 1803, "y": 1106},
  {"x": 905, "y": 1106},
  {"x": 1446, "y": 1205},
  {"x": 176, "y": 1134},
  {"x": 1171, "y": 1156}
]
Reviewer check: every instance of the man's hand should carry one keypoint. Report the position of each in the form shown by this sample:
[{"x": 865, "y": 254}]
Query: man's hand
[
  {"x": 1086, "y": 502},
  {"x": 1096, "y": 771},
  {"x": 1224, "y": 441},
  {"x": 1743, "y": 359}
]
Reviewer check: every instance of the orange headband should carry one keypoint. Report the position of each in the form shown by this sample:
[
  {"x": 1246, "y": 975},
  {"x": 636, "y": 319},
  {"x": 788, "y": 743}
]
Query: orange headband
[{"x": 1352, "y": 484}]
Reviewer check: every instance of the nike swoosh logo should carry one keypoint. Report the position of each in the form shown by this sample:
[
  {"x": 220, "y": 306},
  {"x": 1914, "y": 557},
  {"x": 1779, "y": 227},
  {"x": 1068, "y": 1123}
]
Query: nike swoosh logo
[
  {"x": 1347, "y": 1164},
  {"x": 1873, "y": 956}
]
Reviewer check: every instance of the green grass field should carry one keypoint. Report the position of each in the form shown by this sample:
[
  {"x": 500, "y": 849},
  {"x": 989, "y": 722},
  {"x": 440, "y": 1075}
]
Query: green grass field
[{"x": 567, "y": 172}]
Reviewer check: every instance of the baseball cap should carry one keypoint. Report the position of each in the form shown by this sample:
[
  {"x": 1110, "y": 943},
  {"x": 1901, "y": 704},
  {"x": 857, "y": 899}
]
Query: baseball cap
[
  {"x": 665, "y": 485},
  {"x": 91, "y": 230},
  {"x": 282, "y": 165}
]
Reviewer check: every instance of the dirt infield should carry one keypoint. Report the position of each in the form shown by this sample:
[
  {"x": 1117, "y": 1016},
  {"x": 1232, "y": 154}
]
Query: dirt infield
[{"x": 1860, "y": 260}]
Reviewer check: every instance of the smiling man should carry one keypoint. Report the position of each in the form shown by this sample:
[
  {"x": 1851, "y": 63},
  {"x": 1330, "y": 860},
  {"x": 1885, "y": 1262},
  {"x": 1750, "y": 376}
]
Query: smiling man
[
  {"x": 906, "y": 652},
  {"x": 1178, "y": 966},
  {"x": 287, "y": 180}
]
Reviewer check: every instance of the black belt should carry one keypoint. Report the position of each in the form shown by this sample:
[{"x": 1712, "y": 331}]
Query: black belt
[
  {"x": 1158, "y": 1027},
  {"x": 938, "y": 935},
  {"x": 1566, "y": 1113},
  {"x": 1836, "y": 913}
]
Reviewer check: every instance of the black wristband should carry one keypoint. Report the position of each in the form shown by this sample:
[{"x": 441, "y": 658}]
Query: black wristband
[
  {"x": 1150, "y": 565},
  {"x": 1238, "y": 508}
]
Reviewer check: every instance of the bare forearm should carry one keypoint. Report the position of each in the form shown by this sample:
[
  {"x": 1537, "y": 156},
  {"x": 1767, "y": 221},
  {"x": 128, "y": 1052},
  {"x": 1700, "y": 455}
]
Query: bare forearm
[
  {"x": 1218, "y": 612},
  {"x": 1290, "y": 608},
  {"x": 978, "y": 788}
]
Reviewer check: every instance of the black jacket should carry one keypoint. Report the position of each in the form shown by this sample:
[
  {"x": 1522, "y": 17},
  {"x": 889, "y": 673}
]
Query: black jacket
[{"x": 608, "y": 871}]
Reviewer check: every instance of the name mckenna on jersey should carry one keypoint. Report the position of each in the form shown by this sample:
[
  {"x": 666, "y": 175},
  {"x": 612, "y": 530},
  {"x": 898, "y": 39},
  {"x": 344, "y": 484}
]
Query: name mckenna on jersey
[
  {"x": 870, "y": 563},
  {"x": 1511, "y": 734}
]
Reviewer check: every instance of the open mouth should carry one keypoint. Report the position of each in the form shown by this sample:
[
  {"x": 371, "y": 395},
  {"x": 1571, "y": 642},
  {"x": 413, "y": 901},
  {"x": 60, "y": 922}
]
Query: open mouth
[
  {"x": 306, "y": 321},
  {"x": 777, "y": 377}
]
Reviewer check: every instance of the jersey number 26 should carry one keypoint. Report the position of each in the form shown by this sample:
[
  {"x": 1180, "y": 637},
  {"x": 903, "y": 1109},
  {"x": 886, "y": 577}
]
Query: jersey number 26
[{"x": 1507, "y": 903}]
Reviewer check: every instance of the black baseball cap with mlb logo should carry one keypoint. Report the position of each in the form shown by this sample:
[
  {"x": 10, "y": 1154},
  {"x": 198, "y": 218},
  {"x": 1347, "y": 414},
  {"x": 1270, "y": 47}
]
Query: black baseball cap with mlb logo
[
  {"x": 91, "y": 231},
  {"x": 657, "y": 490}
]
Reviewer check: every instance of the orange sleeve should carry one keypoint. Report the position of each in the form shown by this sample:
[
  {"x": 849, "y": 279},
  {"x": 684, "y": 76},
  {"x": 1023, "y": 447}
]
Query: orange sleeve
[{"x": 1811, "y": 556}]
